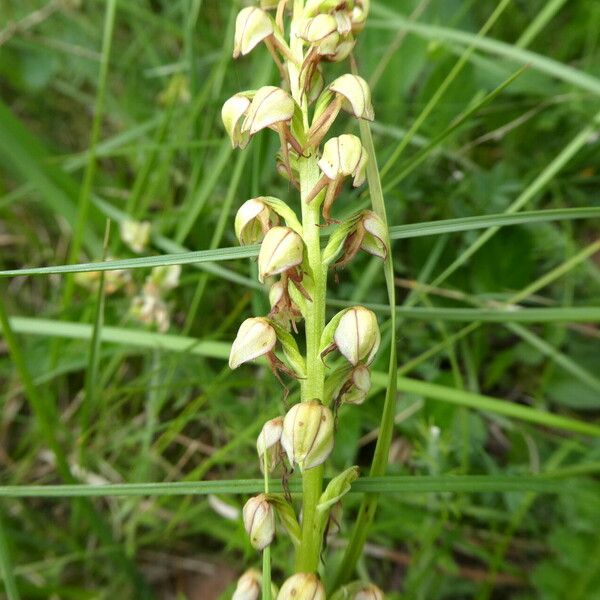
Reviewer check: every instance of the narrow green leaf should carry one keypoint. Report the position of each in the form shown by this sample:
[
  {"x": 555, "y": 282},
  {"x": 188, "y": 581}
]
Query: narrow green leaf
[
  {"x": 391, "y": 19},
  {"x": 573, "y": 314},
  {"x": 397, "y": 232},
  {"x": 6, "y": 566},
  {"x": 391, "y": 485}
]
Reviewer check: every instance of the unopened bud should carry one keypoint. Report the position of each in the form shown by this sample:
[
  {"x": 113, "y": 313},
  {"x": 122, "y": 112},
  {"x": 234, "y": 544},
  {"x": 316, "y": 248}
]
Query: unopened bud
[
  {"x": 344, "y": 156},
  {"x": 302, "y": 586},
  {"x": 374, "y": 234},
  {"x": 162, "y": 279},
  {"x": 312, "y": 7},
  {"x": 357, "y": 590},
  {"x": 357, "y": 335},
  {"x": 356, "y": 95},
  {"x": 342, "y": 50},
  {"x": 269, "y": 443},
  {"x": 342, "y": 19},
  {"x": 322, "y": 32},
  {"x": 359, "y": 15},
  {"x": 136, "y": 234},
  {"x": 307, "y": 436},
  {"x": 252, "y": 221},
  {"x": 270, "y": 105},
  {"x": 149, "y": 309},
  {"x": 358, "y": 386},
  {"x": 369, "y": 592},
  {"x": 248, "y": 586},
  {"x": 252, "y": 26},
  {"x": 256, "y": 337},
  {"x": 232, "y": 114},
  {"x": 281, "y": 250},
  {"x": 259, "y": 521}
]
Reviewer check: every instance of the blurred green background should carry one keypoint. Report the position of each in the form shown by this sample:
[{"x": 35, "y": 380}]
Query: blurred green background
[{"x": 132, "y": 131}]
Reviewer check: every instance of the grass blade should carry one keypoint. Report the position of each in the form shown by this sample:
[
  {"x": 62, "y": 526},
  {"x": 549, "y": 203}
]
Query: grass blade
[
  {"x": 6, "y": 567},
  {"x": 386, "y": 427},
  {"x": 392, "y": 20},
  {"x": 397, "y": 232},
  {"x": 483, "y": 403},
  {"x": 551, "y": 482}
]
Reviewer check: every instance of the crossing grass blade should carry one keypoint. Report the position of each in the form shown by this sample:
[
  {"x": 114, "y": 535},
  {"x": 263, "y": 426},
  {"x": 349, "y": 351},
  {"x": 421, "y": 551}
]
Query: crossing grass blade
[
  {"x": 568, "y": 314},
  {"x": 397, "y": 232},
  {"x": 147, "y": 340},
  {"x": 551, "y": 482}
]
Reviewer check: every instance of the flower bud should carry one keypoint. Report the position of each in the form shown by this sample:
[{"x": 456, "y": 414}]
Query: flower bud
[
  {"x": 162, "y": 279},
  {"x": 357, "y": 590},
  {"x": 252, "y": 221},
  {"x": 374, "y": 235},
  {"x": 302, "y": 586},
  {"x": 356, "y": 95},
  {"x": 357, "y": 335},
  {"x": 368, "y": 592},
  {"x": 307, "y": 436},
  {"x": 136, "y": 234},
  {"x": 281, "y": 250},
  {"x": 252, "y": 26},
  {"x": 322, "y": 32},
  {"x": 344, "y": 156},
  {"x": 312, "y": 7},
  {"x": 255, "y": 337},
  {"x": 248, "y": 586},
  {"x": 270, "y": 105},
  {"x": 359, "y": 15},
  {"x": 358, "y": 386},
  {"x": 232, "y": 114},
  {"x": 269, "y": 442},
  {"x": 150, "y": 310},
  {"x": 342, "y": 50},
  {"x": 259, "y": 521}
]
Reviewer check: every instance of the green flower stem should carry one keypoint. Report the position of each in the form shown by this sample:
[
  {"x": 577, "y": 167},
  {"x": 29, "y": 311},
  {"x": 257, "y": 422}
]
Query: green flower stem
[
  {"x": 307, "y": 559},
  {"x": 309, "y": 551}
]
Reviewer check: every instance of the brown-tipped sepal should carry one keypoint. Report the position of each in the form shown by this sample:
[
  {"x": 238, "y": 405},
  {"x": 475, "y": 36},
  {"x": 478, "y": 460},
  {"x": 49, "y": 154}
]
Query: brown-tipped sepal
[{"x": 307, "y": 437}]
